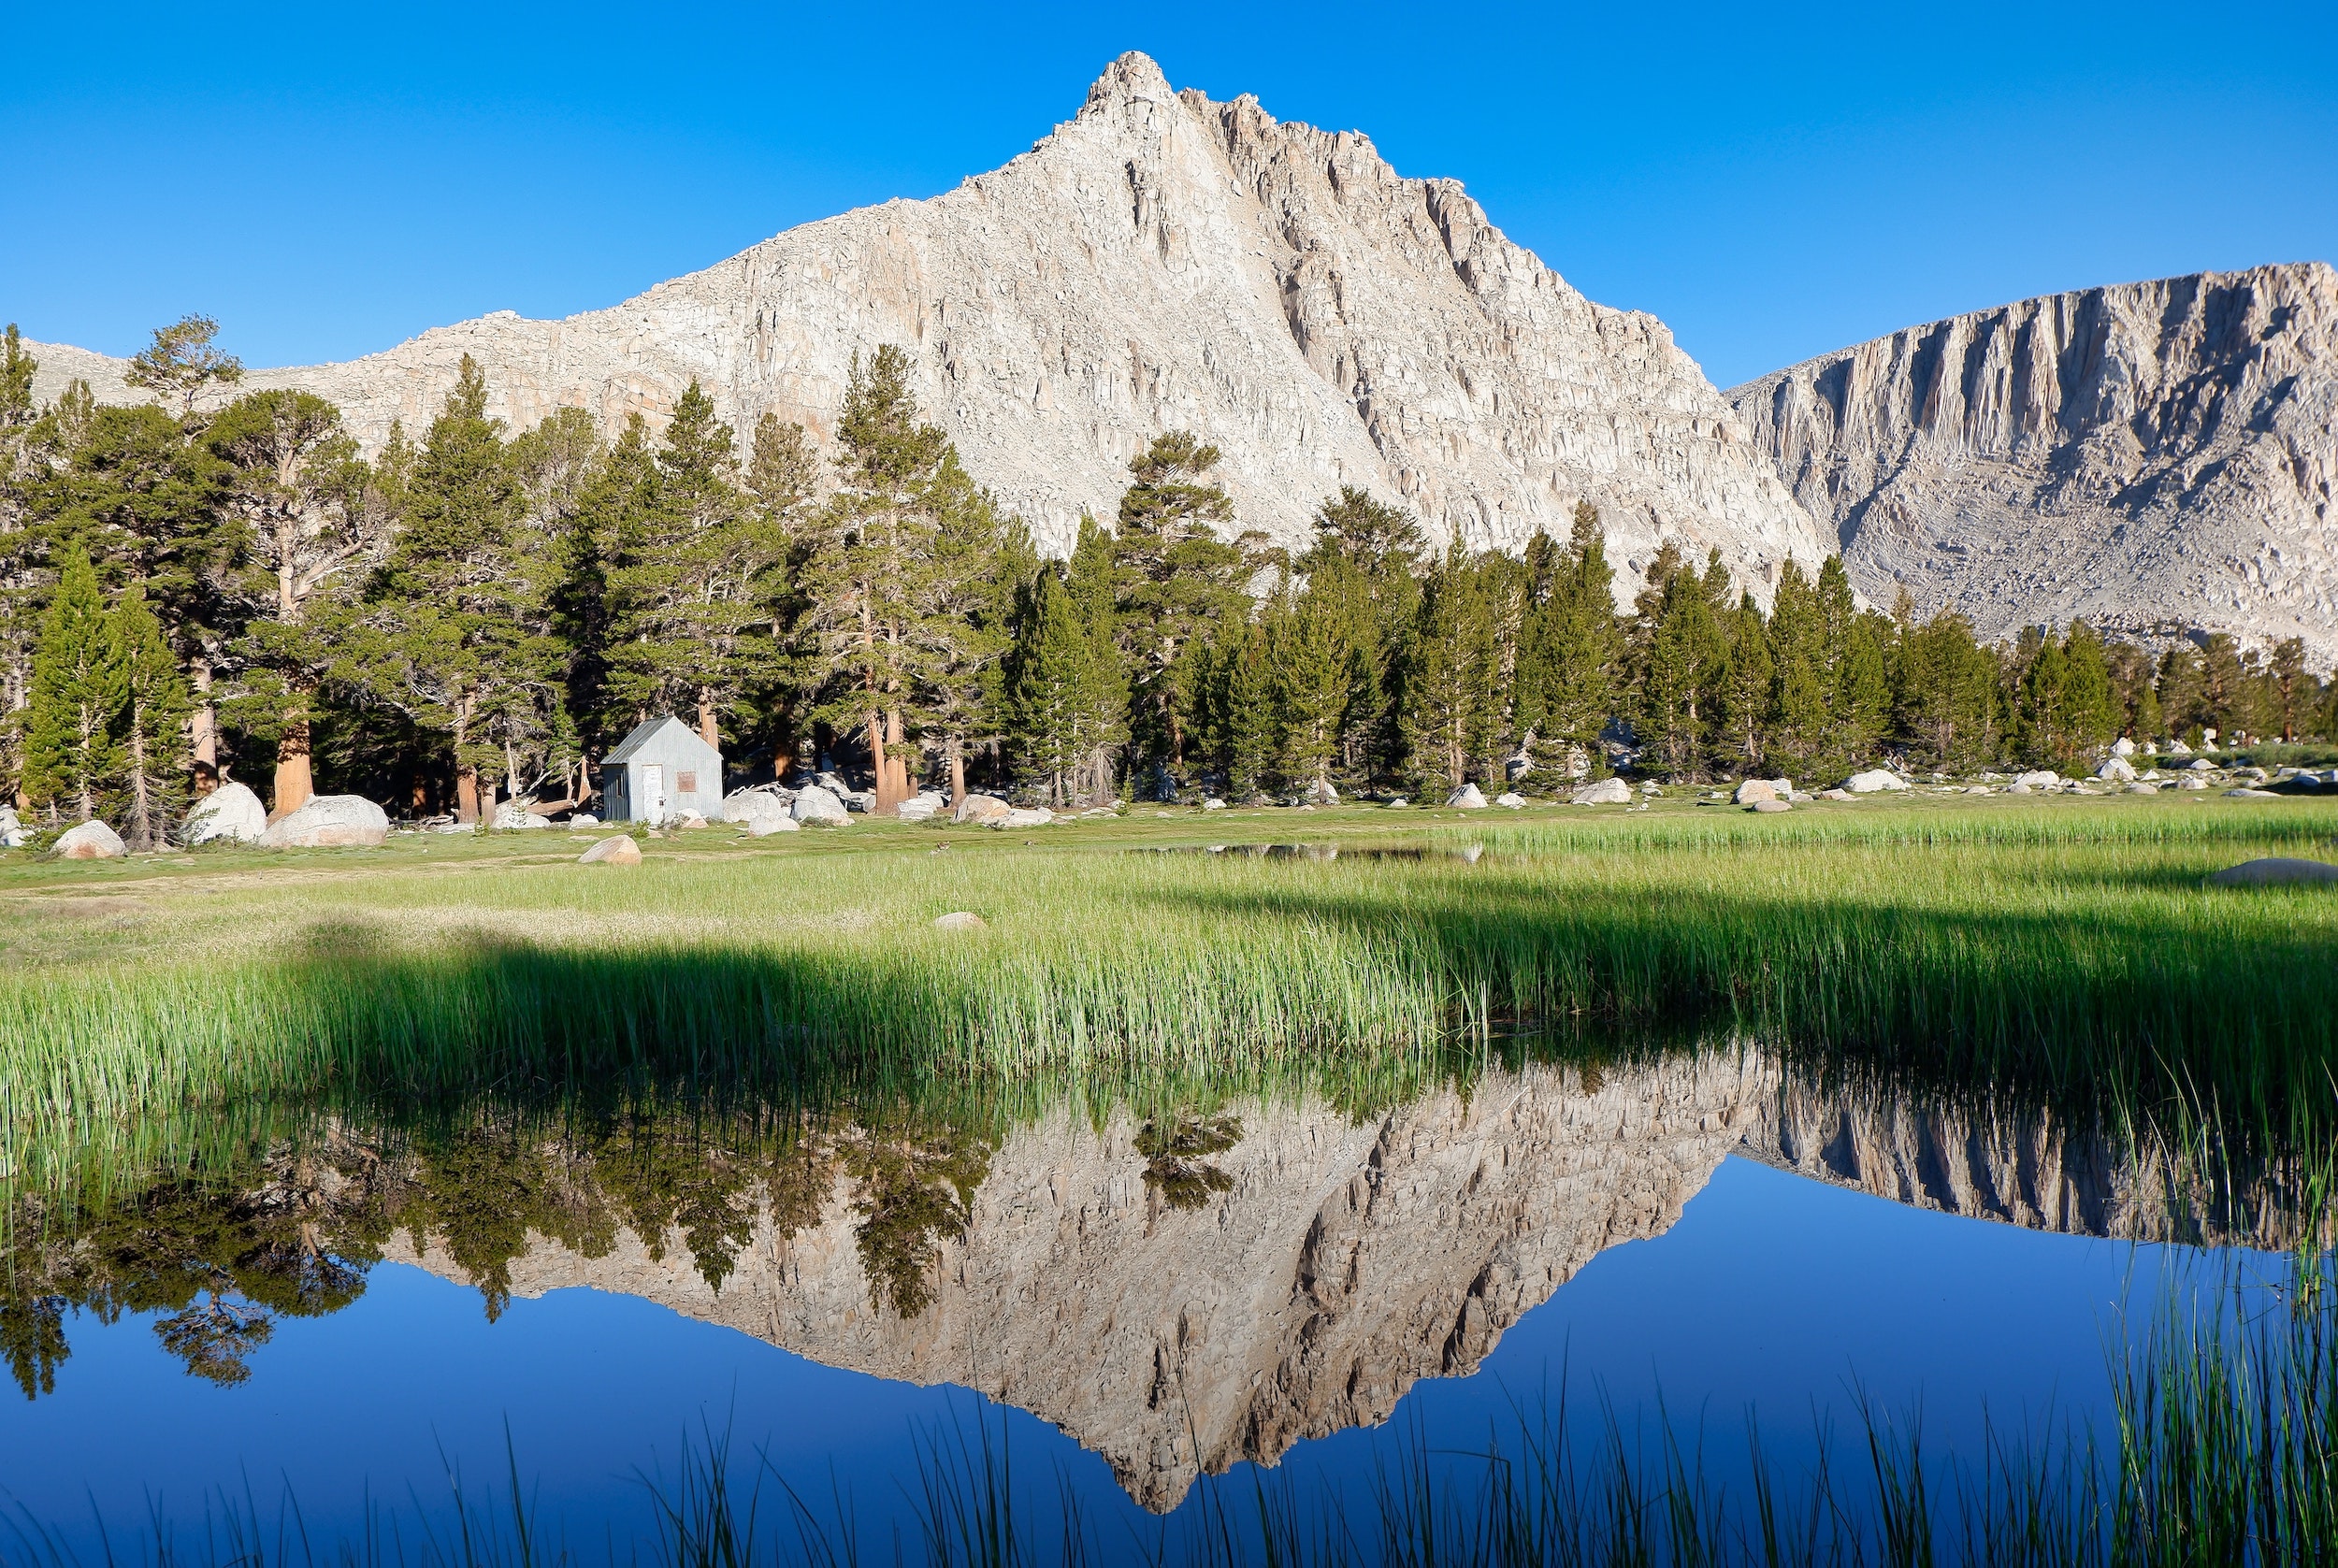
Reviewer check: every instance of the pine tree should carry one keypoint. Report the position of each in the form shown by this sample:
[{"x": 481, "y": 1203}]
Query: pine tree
[
  {"x": 1315, "y": 671},
  {"x": 1178, "y": 580},
  {"x": 2090, "y": 714},
  {"x": 151, "y": 740},
  {"x": 1800, "y": 716},
  {"x": 181, "y": 364},
  {"x": 868, "y": 579},
  {"x": 1050, "y": 676},
  {"x": 72, "y": 756},
  {"x": 1683, "y": 660},
  {"x": 453, "y": 631},
  {"x": 1449, "y": 673},
  {"x": 1367, "y": 554},
  {"x": 1251, "y": 735},
  {"x": 309, "y": 520},
  {"x": 1948, "y": 698},
  {"x": 685, "y": 576},
  {"x": 1745, "y": 695}
]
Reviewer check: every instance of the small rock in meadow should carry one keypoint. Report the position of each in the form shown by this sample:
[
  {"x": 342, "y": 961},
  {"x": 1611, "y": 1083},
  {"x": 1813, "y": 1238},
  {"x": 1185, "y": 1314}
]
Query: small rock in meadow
[
  {"x": 2201, "y": 765},
  {"x": 1399, "y": 804},
  {"x": 1469, "y": 798},
  {"x": 2041, "y": 779},
  {"x": 230, "y": 811},
  {"x": 1772, "y": 804},
  {"x": 764, "y": 827},
  {"x": 1034, "y": 816},
  {"x": 2252, "y": 795},
  {"x": 1511, "y": 798},
  {"x": 2139, "y": 787},
  {"x": 330, "y": 822},
  {"x": 92, "y": 841},
  {"x": 1978, "y": 789},
  {"x": 1211, "y": 803},
  {"x": 1607, "y": 792},
  {"x": 619, "y": 850},
  {"x": 2274, "y": 871},
  {"x": 1874, "y": 781},
  {"x": 583, "y": 819},
  {"x": 960, "y": 920}
]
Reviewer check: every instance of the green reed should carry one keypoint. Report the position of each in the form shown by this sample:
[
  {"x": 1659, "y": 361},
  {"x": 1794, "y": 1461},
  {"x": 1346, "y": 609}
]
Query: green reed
[{"x": 2064, "y": 945}]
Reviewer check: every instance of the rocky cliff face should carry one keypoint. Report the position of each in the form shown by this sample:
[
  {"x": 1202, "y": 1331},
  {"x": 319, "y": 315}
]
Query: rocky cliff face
[
  {"x": 2155, "y": 457},
  {"x": 1163, "y": 261}
]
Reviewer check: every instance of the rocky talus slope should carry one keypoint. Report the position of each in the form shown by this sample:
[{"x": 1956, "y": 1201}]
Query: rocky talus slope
[
  {"x": 1164, "y": 262},
  {"x": 1337, "y": 1262},
  {"x": 2156, "y": 457}
]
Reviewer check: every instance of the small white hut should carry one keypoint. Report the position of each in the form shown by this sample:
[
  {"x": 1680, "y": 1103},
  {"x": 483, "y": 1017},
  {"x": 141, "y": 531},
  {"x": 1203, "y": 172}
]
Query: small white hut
[{"x": 660, "y": 771}]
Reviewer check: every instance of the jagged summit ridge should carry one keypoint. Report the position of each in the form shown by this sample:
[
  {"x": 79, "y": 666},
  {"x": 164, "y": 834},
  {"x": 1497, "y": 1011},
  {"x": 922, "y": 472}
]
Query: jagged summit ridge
[
  {"x": 1162, "y": 261},
  {"x": 2156, "y": 457}
]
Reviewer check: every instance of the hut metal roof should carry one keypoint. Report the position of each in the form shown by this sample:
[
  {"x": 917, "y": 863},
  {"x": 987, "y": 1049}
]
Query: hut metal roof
[{"x": 650, "y": 730}]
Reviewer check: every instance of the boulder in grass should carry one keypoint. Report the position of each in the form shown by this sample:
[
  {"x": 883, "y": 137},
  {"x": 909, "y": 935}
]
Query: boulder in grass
[
  {"x": 12, "y": 834},
  {"x": 92, "y": 841},
  {"x": 1836, "y": 795},
  {"x": 1511, "y": 798},
  {"x": 2201, "y": 765},
  {"x": 513, "y": 815},
  {"x": 1753, "y": 791},
  {"x": 2041, "y": 779},
  {"x": 1469, "y": 798},
  {"x": 751, "y": 806},
  {"x": 980, "y": 809},
  {"x": 1875, "y": 780},
  {"x": 2139, "y": 787},
  {"x": 764, "y": 827},
  {"x": 1398, "y": 804},
  {"x": 1034, "y": 816},
  {"x": 1321, "y": 793},
  {"x": 2117, "y": 769},
  {"x": 619, "y": 850},
  {"x": 960, "y": 920},
  {"x": 919, "y": 809},
  {"x": 2276, "y": 871},
  {"x": 331, "y": 822},
  {"x": 2252, "y": 795},
  {"x": 2122, "y": 747},
  {"x": 583, "y": 819},
  {"x": 815, "y": 804},
  {"x": 1211, "y": 803},
  {"x": 1607, "y": 792},
  {"x": 230, "y": 811},
  {"x": 1772, "y": 804}
]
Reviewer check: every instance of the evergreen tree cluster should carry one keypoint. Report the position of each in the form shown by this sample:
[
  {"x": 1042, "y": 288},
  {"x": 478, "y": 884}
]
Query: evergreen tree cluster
[{"x": 475, "y": 613}]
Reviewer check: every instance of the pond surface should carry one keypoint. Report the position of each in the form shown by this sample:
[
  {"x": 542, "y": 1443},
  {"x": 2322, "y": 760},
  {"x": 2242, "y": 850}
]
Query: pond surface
[{"x": 1128, "y": 1307}]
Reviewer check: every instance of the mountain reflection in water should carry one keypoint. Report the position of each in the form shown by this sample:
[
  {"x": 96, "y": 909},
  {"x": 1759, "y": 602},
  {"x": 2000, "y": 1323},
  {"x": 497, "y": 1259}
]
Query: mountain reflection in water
[{"x": 1175, "y": 1293}]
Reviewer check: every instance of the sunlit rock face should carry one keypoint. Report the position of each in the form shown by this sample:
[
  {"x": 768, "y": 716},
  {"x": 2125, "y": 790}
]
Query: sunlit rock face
[
  {"x": 2153, "y": 456},
  {"x": 1322, "y": 1264},
  {"x": 1163, "y": 261}
]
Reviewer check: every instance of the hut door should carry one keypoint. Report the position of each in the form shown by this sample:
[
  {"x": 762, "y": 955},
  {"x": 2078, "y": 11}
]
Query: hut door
[{"x": 653, "y": 792}]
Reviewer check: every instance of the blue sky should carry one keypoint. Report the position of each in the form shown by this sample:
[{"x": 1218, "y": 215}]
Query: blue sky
[{"x": 1773, "y": 181}]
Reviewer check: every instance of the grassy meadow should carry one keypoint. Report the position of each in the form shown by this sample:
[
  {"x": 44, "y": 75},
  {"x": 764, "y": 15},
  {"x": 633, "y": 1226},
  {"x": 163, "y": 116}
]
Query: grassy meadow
[{"x": 2064, "y": 946}]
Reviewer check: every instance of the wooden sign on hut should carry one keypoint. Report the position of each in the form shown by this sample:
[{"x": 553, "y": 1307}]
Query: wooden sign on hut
[{"x": 660, "y": 771}]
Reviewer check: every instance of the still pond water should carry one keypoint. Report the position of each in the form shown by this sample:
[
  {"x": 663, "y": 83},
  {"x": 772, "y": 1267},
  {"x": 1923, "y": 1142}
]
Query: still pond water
[{"x": 1141, "y": 1311}]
